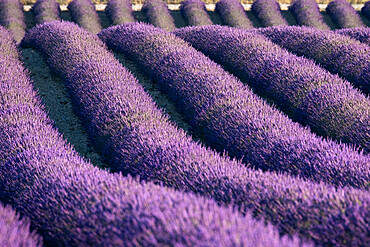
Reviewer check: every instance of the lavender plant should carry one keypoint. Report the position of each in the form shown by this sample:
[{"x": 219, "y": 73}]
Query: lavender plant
[
  {"x": 233, "y": 14},
  {"x": 120, "y": 11},
  {"x": 365, "y": 10},
  {"x": 344, "y": 14},
  {"x": 335, "y": 52},
  {"x": 12, "y": 18},
  {"x": 362, "y": 34},
  {"x": 195, "y": 13},
  {"x": 307, "y": 13},
  {"x": 72, "y": 203},
  {"x": 84, "y": 14},
  {"x": 143, "y": 143},
  {"x": 268, "y": 13},
  {"x": 157, "y": 13},
  {"x": 46, "y": 11},
  {"x": 15, "y": 232}
]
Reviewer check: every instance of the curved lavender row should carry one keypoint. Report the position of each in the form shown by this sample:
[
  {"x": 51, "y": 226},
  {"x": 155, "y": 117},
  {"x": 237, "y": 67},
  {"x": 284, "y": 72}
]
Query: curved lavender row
[
  {"x": 195, "y": 13},
  {"x": 12, "y": 18},
  {"x": 158, "y": 14},
  {"x": 336, "y": 53},
  {"x": 120, "y": 11},
  {"x": 268, "y": 13},
  {"x": 15, "y": 232},
  {"x": 233, "y": 14},
  {"x": 84, "y": 14},
  {"x": 303, "y": 90},
  {"x": 307, "y": 13},
  {"x": 366, "y": 10},
  {"x": 46, "y": 11},
  {"x": 362, "y": 34},
  {"x": 73, "y": 203},
  {"x": 342, "y": 12}
]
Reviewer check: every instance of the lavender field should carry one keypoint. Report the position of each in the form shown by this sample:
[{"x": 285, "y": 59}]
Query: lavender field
[{"x": 184, "y": 127}]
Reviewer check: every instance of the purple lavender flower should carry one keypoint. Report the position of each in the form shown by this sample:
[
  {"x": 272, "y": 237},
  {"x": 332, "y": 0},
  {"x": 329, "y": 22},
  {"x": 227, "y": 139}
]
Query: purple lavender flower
[
  {"x": 195, "y": 13},
  {"x": 46, "y": 11},
  {"x": 366, "y": 9},
  {"x": 268, "y": 13},
  {"x": 307, "y": 13},
  {"x": 12, "y": 18},
  {"x": 120, "y": 11},
  {"x": 233, "y": 14},
  {"x": 84, "y": 14},
  {"x": 362, "y": 34},
  {"x": 342, "y": 13},
  {"x": 158, "y": 14}
]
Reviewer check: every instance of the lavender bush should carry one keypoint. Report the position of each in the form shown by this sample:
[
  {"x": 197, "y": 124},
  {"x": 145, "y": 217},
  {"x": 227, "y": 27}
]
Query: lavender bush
[
  {"x": 195, "y": 13},
  {"x": 12, "y": 18},
  {"x": 158, "y": 14},
  {"x": 365, "y": 10},
  {"x": 120, "y": 11},
  {"x": 46, "y": 11},
  {"x": 335, "y": 52},
  {"x": 307, "y": 13},
  {"x": 362, "y": 34},
  {"x": 268, "y": 13},
  {"x": 84, "y": 14},
  {"x": 342, "y": 13},
  {"x": 233, "y": 14}
]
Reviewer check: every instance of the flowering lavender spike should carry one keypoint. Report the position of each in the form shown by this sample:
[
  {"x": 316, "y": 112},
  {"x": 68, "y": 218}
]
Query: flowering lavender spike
[
  {"x": 233, "y": 14},
  {"x": 12, "y": 18},
  {"x": 158, "y": 14},
  {"x": 120, "y": 11},
  {"x": 342, "y": 13},
  {"x": 307, "y": 13},
  {"x": 366, "y": 9},
  {"x": 195, "y": 13},
  {"x": 84, "y": 14},
  {"x": 46, "y": 11},
  {"x": 362, "y": 34},
  {"x": 268, "y": 13}
]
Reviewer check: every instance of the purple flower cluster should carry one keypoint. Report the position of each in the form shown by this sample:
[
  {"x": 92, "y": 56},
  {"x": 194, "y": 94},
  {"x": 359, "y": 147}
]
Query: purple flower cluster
[
  {"x": 120, "y": 11},
  {"x": 366, "y": 9},
  {"x": 12, "y": 18},
  {"x": 195, "y": 13},
  {"x": 84, "y": 14},
  {"x": 362, "y": 34},
  {"x": 268, "y": 13},
  {"x": 46, "y": 11},
  {"x": 233, "y": 14},
  {"x": 72, "y": 203},
  {"x": 343, "y": 14},
  {"x": 335, "y": 52},
  {"x": 158, "y": 14},
  {"x": 307, "y": 13},
  {"x": 15, "y": 232}
]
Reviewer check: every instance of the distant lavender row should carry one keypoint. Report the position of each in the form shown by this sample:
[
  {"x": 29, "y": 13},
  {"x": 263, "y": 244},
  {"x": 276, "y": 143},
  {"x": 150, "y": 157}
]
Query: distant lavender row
[
  {"x": 233, "y": 14},
  {"x": 120, "y": 11},
  {"x": 195, "y": 13},
  {"x": 337, "y": 53},
  {"x": 12, "y": 18},
  {"x": 343, "y": 14},
  {"x": 15, "y": 232},
  {"x": 366, "y": 9},
  {"x": 46, "y": 11},
  {"x": 84, "y": 14},
  {"x": 268, "y": 13},
  {"x": 290, "y": 203},
  {"x": 307, "y": 13},
  {"x": 157, "y": 14},
  {"x": 362, "y": 34}
]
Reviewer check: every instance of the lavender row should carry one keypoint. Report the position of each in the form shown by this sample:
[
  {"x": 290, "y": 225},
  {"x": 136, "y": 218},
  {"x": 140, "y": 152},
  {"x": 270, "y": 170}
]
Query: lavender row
[
  {"x": 72, "y": 203},
  {"x": 232, "y": 13},
  {"x": 195, "y": 13},
  {"x": 307, "y": 13},
  {"x": 336, "y": 53},
  {"x": 362, "y": 34},
  {"x": 268, "y": 13},
  {"x": 12, "y": 18},
  {"x": 120, "y": 11},
  {"x": 343, "y": 14},
  {"x": 84, "y": 14},
  {"x": 157, "y": 14},
  {"x": 366, "y": 10},
  {"x": 46, "y": 11},
  {"x": 15, "y": 232},
  {"x": 294, "y": 205}
]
